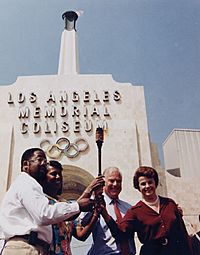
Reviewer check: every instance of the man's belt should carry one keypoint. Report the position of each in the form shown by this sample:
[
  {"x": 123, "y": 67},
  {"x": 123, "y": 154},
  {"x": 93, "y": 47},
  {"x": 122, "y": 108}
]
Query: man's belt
[{"x": 34, "y": 240}]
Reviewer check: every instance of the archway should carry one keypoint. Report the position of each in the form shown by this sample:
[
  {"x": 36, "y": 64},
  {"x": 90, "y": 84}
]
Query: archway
[{"x": 75, "y": 180}]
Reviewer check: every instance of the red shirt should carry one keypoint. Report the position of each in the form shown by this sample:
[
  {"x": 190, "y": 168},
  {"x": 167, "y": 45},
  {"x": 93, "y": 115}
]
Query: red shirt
[{"x": 152, "y": 226}]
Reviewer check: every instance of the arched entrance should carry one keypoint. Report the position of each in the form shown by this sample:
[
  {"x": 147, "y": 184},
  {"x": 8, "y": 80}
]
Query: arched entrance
[{"x": 75, "y": 180}]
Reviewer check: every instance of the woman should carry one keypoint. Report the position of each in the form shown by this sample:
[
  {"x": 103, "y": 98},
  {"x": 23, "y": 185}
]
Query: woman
[
  {"x": 63, "y": 231},
  {"x": 157, "y": 220}
]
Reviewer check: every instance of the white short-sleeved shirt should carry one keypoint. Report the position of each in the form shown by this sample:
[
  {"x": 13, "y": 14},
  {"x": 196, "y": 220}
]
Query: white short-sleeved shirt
[{"x": 25, "y": 208}]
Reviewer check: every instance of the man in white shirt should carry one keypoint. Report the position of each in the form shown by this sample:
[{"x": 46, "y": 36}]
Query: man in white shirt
[{"x": 25, "y": 213}]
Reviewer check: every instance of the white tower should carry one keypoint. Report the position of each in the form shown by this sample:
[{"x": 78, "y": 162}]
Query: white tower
[{"x": 68, "y": 61}]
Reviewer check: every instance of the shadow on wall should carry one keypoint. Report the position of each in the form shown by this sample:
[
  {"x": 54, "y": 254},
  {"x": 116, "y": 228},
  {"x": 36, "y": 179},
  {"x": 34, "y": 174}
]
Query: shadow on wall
[
  {"x": 75, "y": 180},
  {"x": 187, "y": 194}
]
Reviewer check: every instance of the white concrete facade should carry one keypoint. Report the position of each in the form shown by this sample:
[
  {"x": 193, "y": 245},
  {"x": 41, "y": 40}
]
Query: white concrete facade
[
  {"x": 120, "y": 108},
  {"x": 181, "y": 153},
  {"x": 181, "y": 156}
]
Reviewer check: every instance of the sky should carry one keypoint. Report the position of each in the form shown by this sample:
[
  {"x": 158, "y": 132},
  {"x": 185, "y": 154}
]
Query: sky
[{"x": 153, "y": 43}]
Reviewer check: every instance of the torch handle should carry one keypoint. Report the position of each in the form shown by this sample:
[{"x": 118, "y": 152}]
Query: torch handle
[{"x": 99, "y": 160}]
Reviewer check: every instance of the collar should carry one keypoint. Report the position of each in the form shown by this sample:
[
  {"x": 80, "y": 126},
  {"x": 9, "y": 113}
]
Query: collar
[{"x": 109, "y": 200}]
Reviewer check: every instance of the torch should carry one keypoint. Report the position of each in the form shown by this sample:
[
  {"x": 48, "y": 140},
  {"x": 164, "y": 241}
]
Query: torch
[{"x": 99, "y": 141}]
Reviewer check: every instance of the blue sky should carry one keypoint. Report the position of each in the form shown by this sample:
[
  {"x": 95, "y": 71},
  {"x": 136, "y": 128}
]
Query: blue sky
[{"x": 154, "y": 43}]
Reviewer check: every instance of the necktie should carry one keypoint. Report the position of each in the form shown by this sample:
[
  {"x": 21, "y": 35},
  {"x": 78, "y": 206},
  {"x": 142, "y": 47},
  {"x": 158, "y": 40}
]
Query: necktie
[
  {"x": 117, "y": 211},
  {"x": 123, "y": 243}
]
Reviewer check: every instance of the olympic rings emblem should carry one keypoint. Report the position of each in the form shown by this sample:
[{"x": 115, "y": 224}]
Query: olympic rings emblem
[{"x": 64, "y": 146}]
